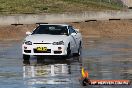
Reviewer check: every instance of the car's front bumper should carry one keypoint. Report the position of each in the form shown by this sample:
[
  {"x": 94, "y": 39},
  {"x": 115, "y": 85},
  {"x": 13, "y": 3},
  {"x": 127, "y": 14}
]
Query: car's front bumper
[{"x": 51, "y": 49}]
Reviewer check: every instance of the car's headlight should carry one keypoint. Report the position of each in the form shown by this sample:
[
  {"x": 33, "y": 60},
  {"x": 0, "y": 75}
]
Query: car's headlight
[
  {"x": 28, "y": 42},
  {"x": 58, "y": 43}
]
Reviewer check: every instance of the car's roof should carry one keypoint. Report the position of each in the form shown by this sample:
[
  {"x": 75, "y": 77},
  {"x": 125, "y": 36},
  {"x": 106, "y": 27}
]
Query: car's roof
[{"x": 54, "y": 24}]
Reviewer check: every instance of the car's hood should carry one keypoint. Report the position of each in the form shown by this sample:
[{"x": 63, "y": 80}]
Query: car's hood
[{"x": 46, "y": 38}]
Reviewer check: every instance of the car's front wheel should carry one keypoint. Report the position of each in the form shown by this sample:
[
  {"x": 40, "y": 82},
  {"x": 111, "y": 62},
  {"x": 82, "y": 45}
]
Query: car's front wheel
[
  {"x": 68, "y": 51},
  {"x": 26, "y": 57}
]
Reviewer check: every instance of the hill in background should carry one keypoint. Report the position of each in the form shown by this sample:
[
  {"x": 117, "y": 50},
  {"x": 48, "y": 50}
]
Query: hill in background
[{"x": 56, "y": 6}]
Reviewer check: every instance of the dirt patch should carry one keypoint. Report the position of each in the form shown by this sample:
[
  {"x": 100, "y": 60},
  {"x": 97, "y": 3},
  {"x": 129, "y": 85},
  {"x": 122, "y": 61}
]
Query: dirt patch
[
  {"x": 14, "y": 32},
  {"x": 106, "y": 28},
  {"x": 96, "y": 28}
]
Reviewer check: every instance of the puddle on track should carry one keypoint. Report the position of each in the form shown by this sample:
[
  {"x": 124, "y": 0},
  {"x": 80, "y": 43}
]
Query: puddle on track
[{"x": 103, "y": 58}]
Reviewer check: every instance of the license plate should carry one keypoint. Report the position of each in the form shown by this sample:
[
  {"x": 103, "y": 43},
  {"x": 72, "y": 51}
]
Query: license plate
[{"x": 41, "y": 48}]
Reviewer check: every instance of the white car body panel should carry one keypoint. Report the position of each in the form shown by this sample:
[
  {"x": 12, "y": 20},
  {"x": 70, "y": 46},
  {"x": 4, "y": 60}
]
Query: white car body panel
[{"x": 46, "y": 40}]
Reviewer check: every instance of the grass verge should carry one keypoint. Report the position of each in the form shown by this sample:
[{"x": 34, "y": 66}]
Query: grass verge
[{"x": 55, "y": 6}]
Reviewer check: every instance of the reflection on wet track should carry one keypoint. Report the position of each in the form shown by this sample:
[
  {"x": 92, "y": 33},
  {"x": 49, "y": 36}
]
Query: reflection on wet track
[
  {"x": 103, "y": 58},
  {"x": 61, "y": 73}
]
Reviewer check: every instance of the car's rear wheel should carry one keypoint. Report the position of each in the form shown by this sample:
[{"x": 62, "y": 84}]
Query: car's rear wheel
[
  {"x": 26, "y": 57},
  {"x": 79, "y": 50}
]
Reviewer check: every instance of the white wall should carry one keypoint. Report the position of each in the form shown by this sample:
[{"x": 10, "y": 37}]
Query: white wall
[{"x": 66, "y": 17}]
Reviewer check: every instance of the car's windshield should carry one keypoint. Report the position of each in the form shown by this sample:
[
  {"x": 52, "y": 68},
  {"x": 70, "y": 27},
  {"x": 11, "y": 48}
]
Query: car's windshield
[{"x": 51, "y": 29}]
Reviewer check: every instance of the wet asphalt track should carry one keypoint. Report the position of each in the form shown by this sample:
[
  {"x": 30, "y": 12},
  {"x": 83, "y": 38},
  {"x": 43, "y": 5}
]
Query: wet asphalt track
[{"x": 103, "y": 58}]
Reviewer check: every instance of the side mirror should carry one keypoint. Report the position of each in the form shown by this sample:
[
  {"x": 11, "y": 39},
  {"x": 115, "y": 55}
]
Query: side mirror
[{"x": 28, "y": 33}]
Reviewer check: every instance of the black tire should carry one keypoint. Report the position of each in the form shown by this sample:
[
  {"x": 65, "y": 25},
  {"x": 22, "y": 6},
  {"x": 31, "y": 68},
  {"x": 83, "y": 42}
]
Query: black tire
[
  {"x": 79, "y": 50},
  {"x": 26, "y": 57},
  {"x": 68, "y": 51}
]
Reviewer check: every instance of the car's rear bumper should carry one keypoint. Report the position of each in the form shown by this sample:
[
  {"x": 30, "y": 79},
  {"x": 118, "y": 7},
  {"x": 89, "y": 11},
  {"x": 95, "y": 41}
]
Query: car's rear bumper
[{"x": 51, "y": 49}]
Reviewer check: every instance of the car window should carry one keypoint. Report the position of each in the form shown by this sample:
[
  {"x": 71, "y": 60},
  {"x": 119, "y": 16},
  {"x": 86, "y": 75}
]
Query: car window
[
  {"x": 51, "y": 29},
  {"x": 71, "y": 30}
]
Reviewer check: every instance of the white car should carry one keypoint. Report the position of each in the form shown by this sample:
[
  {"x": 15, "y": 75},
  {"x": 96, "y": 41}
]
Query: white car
[{"x": 52, "y": 39}]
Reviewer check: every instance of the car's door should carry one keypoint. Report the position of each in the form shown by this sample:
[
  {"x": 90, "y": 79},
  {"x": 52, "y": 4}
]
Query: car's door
[
  {"x": 78, "y": 37},
  {"x": 74, "y": 37}
]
